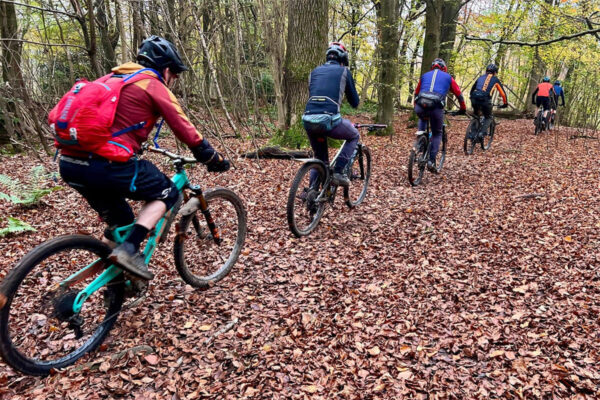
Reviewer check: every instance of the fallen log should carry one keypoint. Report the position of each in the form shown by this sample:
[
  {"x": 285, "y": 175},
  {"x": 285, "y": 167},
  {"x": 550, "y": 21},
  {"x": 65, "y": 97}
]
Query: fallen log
[{"x": 276, "y": 152}]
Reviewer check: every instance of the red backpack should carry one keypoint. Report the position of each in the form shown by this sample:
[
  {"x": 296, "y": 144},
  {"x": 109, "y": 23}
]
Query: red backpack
[{"x": 83, "y": 118}]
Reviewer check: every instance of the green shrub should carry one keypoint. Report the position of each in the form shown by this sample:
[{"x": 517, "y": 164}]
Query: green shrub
[
  {"x": 367, "y": 106},
  {"x": 296, "y": 138},
  {"x": 16, "y": 226},
  {"x": 27, "y": 194}
]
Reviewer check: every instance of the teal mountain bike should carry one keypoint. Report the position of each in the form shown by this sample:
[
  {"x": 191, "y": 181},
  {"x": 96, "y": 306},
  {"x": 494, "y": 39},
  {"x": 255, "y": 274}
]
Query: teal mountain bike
[{"x": 61, "y": 300}]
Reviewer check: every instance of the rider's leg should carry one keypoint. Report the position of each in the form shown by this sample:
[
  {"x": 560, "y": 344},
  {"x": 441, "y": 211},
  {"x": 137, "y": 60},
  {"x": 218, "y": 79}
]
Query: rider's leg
[
  {"x": 486, "y": 109},
  {"x": 423, "y": 115},
  {"x": 345, "y": 131},
  {"x": 318, "y": 142},
  {"x": 436, "y": 121}
]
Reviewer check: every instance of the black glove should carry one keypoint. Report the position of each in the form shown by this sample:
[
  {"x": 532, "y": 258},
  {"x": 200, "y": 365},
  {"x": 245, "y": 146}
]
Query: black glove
[
  {"x": 209, "y": 156},
  {"x": 221, "y": 165},
  {"x": 504, "y": 106},
  {"x": 461, "y": 112}
]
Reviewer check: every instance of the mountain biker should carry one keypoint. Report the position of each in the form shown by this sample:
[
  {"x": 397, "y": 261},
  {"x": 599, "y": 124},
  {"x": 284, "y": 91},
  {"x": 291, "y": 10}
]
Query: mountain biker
[
  {"x": 558, "y": 92},
  {"x": 481, "y": 95},
  {"x": 545, "y": 97},
  {"x": 326, "y": 85},
  {"x": 430, "y": 100},
  {"x": 106, "y": 184}
]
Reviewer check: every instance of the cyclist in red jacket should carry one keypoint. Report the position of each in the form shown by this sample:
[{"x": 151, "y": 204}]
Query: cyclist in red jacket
[
  {"x": 545, "y": 97},
  {"x": 105, "y": 181}
]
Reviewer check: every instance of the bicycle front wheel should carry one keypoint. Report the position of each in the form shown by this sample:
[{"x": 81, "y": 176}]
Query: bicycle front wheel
[
  {"x": 38, "y": 329},
  {"x": 417, "y": 160},
  {"x": 303, "y": 209},
  {"x": 359, "y": 174},
  {"x": 200, "y": 258},
  {"x": 471, "y": 136}
]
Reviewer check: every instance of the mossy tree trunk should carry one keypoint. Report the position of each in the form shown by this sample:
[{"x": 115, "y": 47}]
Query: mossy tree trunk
[
  {"x": 305, "y": 49},
  {"x": 388, "y": 14}
]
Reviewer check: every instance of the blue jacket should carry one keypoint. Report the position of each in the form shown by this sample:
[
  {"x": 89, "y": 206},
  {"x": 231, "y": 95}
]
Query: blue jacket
[
  {"x": 440, "y": 82},
  {"x": 559, "y": 93},
  {"x": 326, "y": 87}
]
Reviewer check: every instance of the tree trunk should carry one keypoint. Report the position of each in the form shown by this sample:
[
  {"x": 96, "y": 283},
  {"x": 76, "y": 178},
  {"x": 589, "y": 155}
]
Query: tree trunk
[
  {"x": 433, "y": 22},
  {"x": 306, "y": 41},
  {"x": 388, "y": 13},
  {"x": 11, "y": 69},
  {"x": 274, "y": 29},
  {"x": 412, "y": 70},
  {"x": 450, "y": 11},
  {"x": 106, "y": 40}
]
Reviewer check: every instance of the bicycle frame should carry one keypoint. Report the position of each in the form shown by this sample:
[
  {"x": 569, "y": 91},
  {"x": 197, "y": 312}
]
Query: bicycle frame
[{"x": 181, "y": 181}]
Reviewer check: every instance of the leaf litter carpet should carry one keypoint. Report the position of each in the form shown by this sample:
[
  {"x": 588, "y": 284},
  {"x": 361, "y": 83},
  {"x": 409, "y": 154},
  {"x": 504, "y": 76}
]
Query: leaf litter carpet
[{"x": 481, "y": 283}]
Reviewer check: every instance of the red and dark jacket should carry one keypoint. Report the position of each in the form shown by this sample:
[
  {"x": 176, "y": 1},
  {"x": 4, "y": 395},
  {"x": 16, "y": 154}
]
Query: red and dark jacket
[{"x": 144, "y": 100}]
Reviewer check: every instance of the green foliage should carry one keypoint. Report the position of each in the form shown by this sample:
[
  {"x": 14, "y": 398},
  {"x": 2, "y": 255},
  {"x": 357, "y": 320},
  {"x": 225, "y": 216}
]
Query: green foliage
[
  {"x": 15, "y": 226},
  {"x": 365, "y": 107},
  {"x": 30, "y": 193},
  {"x": 296, "y": 138},
  {"x": 293, "y": 138},
  {"x": 266, "y": 87}
]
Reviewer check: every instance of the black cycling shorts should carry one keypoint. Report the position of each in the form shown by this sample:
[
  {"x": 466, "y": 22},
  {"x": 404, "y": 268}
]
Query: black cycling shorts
[
  {"x": 106, "y": 185},
  {"x": 542, "y": 100}
]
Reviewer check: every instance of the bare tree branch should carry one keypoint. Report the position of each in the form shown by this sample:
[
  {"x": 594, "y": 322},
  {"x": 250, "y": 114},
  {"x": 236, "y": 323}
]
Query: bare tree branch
[
  {"x": 42, "y": 44},
  {"x": 535, "y": 44},
  {"x": 40, "y": 8},
  {"x": 355, "y": 24}
]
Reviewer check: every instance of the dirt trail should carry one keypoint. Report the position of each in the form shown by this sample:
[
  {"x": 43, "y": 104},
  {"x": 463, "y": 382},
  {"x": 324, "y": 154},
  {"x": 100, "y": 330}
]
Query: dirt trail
[{"x": 464, "y": 287}]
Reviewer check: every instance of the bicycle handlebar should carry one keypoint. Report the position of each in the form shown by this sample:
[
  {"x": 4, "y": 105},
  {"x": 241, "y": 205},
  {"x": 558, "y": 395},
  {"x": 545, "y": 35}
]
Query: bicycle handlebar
[
  {"x": 370, "y": 127},
  {"x": 172, "y": 156}
]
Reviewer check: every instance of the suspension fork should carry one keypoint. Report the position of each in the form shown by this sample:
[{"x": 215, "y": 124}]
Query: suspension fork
[{"x": 203, "y": 205}]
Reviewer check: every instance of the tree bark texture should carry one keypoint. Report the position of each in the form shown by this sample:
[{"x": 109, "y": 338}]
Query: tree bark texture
[
  {"x": 388, "y": 14},
  {"x": 306, "y": 45},
  {"x": 433, "y": 22},
  {"x": 450, "y": 11}
]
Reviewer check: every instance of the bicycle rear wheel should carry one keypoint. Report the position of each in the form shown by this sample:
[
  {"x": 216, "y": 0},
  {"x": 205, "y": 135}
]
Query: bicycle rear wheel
[
  {"x": 471, "y": 136},
  {"x": 360, "y": 174},
  {"x": 199, "y": 258},
  {"x": 303, "y": 211},
  {"x": 38, "y": 329},
  {"x": 441, "y": 155},
  {"x": 538, "y": 123},
  {"x": 417, "y": 161},
  {"x": 486, "y": 141}
]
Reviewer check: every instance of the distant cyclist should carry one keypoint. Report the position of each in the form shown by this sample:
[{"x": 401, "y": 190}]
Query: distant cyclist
[
  {"x": 327, "y": 85},
  {"x": 481, "y": 95},
  {"x": 430, "y": 100},
  {"x": 558, "y": 92},
  {"x": 545, "y": 97}
]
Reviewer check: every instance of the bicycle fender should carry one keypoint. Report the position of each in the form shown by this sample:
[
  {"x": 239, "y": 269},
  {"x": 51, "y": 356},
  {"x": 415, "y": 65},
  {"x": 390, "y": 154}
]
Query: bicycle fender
[{"x": 190, "y": 207}]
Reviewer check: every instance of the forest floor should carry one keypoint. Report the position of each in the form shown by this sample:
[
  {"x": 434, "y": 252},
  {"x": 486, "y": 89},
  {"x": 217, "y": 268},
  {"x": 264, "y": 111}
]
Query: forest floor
[{"x": 459, "y": 288}]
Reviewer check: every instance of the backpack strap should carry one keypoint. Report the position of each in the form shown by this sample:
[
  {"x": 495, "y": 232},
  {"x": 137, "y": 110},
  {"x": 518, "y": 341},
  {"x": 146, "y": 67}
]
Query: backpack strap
[
  {"x": 158, "y": 75},
  {"x": 134, "y": 127}
]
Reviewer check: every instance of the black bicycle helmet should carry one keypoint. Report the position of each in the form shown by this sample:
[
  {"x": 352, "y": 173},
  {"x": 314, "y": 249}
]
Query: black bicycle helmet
[
  {"x": 337, "y": 51},
  {"x": 546, "y": 79},
  {"x": 159, "y": 53},
  {"x": 557, "y": 83},
  {"x": 492, "y": 68}
]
